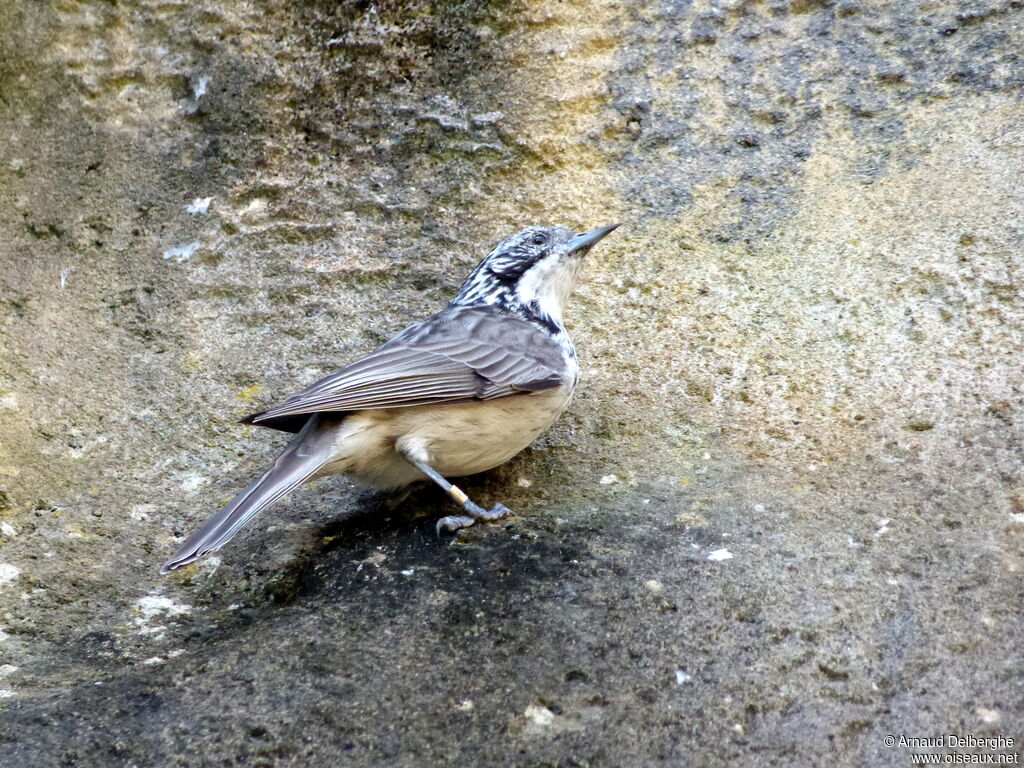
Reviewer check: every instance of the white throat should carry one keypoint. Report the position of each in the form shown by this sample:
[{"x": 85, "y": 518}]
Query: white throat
[{"x": 548, "y": 284}]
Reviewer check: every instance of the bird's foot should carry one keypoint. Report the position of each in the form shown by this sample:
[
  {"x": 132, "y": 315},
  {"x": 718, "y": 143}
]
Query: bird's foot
[
  {"x": 453, "y": 523},
  {"x": 474, "y": 512}
]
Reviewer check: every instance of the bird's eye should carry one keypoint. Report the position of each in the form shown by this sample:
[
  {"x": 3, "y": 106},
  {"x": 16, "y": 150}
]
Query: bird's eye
[{"x": 539, "y": 239}]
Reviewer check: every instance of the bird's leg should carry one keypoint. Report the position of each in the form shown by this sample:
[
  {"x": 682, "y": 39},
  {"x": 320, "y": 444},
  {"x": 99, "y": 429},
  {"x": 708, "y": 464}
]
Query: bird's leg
[{"x": 474, "y": 512}]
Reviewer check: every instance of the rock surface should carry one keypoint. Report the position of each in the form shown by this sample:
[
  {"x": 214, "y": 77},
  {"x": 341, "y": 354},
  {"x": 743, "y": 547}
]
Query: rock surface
[{"x": 784, "y": 517}]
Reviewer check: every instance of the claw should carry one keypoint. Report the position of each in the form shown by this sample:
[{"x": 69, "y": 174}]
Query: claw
[
  {"x": 498, "y": 512},
  {"x": 454, "y": 523}
]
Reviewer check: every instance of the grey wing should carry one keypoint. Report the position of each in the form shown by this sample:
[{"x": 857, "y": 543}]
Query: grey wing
[{"x": 457, "y": 356}]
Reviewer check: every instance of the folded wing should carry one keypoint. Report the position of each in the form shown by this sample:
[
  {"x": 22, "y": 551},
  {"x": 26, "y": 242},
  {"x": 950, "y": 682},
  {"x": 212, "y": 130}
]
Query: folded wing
[{"x": 461, "y": 355}]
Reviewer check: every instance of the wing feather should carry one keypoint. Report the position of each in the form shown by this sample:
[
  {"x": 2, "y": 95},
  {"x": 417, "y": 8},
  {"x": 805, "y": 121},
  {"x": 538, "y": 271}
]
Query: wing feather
[{"x": 457, "y": 356}]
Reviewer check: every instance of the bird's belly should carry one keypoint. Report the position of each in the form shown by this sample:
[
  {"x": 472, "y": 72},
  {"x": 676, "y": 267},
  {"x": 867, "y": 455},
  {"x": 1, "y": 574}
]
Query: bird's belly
[
  {"x": 455, "y": 440},
  {"x": 465, "y": 439}
]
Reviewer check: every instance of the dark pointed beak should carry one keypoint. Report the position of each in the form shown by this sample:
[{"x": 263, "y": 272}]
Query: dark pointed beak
[{"x": 588, "y": 239}]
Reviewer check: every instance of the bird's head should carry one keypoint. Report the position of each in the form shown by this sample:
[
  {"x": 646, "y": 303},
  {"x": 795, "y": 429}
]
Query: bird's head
[{"x": 533, "y": 271}]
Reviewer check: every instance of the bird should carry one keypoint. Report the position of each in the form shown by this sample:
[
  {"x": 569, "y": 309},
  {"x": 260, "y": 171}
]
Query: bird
[{"x": 453, "y": 395}]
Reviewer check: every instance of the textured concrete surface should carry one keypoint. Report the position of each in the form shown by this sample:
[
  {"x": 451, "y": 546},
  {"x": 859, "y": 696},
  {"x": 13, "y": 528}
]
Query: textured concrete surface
[{"x": 784, "y": 517}]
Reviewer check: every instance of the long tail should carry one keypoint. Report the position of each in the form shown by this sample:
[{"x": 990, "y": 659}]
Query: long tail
[{"x": 308, "y": 452}]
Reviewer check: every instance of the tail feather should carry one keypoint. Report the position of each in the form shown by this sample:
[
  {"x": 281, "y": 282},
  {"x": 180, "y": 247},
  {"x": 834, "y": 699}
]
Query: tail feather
[
  {"x": 293, "y": 423},
  {"x": 307, "y": 453}
]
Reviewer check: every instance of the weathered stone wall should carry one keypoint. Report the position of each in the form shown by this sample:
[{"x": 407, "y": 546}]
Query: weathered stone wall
[{"x": 803, "y": 348}]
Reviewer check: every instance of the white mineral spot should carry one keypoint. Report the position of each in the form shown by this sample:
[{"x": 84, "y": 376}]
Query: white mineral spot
[
  {"x": 8, "y": 573},
  {"x": 192, "y": 482},
  {"x": 759, "y": 507},
  {"x": 64, "y": 275},
  {"x": 883, "y": 526},
  {"x": 8, "y": 530},
  {"x": 141, "y": 511},
  {"x": 176, "y": 653},
  {"x": 988, "y": 716},
  {"x": 737, "y": 728},
  {"x": 153, "y": 605},
  {"x": 654, "y": 586},
  {"x": 9, "y": 401},
  {"x": 6, "y": 694},
  {"x": 200, "y": 86},
  {"x": 255, "y": 206},
  {"x": 487, "y": 118},
  {"x": 200, "y": 205},
  {"x": 720, "y": 554},
  {"x": 408, "y": 572},
  {"x": 182, "y": 252},
  {"x": 153, "y": 660},
  {"x": 524, "y": 482},
  {"x": 7, "y": 669},
  {"x": 682, "y": 678},
  {"x": 539, "y": 716},
  {"x": 609, "y": 480},
  {"x": 465, "y": 706}
]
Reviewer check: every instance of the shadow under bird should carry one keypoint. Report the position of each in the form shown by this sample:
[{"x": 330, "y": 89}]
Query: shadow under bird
[{"x": 458, "y": 393}]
